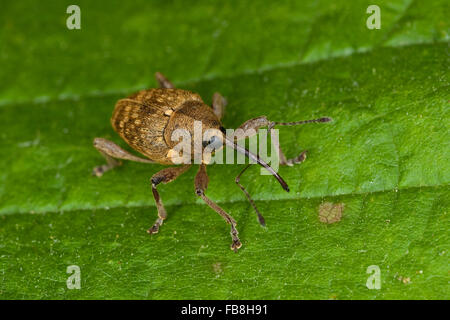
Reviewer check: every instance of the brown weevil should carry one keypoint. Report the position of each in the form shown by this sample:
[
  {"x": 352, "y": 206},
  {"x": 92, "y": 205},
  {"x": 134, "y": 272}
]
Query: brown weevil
[{"x": 146, "y": 121}]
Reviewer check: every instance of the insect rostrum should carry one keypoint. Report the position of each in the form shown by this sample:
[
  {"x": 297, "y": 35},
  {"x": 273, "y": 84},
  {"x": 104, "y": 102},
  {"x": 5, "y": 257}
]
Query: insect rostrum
[{"x": 146, "y": 121}]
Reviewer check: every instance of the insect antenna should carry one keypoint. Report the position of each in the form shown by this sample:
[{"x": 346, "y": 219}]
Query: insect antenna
[{"x": 325, "y": 119}]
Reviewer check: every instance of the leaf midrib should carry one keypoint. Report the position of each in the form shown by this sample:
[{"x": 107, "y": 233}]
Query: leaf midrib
[
  {"x": 170, "y": 205},
  {"x": 267, "y": 68}
]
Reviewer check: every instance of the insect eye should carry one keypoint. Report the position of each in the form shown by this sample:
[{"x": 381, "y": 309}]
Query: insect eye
[{"x": 212, "y": 142}]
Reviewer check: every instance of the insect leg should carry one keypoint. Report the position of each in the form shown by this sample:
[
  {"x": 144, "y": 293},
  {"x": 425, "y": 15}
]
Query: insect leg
[
  {"x": 201, "y": 183},
  {"x": 262, "y": 121},
  {"x": 302, "y": 156},
  {"x": 165, "y": 176},
  {"x": 243, "y": 130},
  {"x": 163, "y": 82},
  {"x": 261, "y": 220},
  {"x": 256, "y": 124},
  {"x": 218, "y": 104},
  {"x": 112, "y": 152}
]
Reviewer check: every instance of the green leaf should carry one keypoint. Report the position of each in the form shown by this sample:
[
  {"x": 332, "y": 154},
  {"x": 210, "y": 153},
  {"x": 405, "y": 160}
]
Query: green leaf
[{"x": 384, "y": 157}]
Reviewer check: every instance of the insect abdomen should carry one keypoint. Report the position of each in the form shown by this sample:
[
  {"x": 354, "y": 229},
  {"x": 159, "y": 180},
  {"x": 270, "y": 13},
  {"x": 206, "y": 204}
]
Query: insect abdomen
[
  {"x": 142, "y": 127},
  {"x": 141, "y": 118}
]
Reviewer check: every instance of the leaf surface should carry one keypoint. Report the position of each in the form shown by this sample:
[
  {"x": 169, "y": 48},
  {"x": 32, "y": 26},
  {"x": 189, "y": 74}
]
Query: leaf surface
[{"x": 384, "y": 157}]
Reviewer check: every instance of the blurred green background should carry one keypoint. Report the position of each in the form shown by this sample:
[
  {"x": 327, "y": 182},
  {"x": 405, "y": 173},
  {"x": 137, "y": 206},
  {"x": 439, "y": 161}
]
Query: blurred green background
[{"x": 385, "y": 156}]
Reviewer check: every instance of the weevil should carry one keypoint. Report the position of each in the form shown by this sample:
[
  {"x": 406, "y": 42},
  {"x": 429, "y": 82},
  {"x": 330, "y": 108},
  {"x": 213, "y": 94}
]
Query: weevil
[{"x": 146, "y": 121}]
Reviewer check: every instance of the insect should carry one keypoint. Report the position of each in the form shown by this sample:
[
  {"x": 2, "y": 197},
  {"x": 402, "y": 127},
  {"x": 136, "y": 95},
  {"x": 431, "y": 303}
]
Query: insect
[{"x": 146, "y": 121}]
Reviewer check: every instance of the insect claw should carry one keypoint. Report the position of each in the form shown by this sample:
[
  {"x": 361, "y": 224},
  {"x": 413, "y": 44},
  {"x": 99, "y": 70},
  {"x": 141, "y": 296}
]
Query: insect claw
[
  {"x": 153, "y": 229},
  {"x": 262, "y": 222},
  {"x": 236, "y": 245},
  {"x": 98, "y": 171}
]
